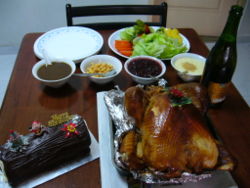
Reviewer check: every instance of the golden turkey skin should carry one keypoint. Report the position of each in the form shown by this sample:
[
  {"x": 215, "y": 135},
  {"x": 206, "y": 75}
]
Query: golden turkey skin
[{"x": 169, "y": 138}]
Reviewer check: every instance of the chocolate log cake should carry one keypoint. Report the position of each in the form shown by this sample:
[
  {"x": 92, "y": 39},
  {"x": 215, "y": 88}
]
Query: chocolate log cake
[{"x": 46, "y": 147}]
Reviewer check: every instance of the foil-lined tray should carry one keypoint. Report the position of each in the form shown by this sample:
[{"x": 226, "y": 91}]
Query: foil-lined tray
[{"x": 120, "y": 124}]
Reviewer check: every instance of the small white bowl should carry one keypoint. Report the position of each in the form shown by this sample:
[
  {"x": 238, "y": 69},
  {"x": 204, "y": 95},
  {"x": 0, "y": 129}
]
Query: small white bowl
[
  {"x": 195, "y": 59},
  {"x": 53, "y": 83},
  {"x": 116, "y": 63},
  {"x": 145, "y": 80}
]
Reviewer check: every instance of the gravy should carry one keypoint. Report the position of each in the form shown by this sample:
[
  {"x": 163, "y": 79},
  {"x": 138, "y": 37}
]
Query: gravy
[{"x": 55, "y": 71}]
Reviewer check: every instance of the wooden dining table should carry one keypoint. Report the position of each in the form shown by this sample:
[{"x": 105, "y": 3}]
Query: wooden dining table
[{"x": 27, "y": 100}]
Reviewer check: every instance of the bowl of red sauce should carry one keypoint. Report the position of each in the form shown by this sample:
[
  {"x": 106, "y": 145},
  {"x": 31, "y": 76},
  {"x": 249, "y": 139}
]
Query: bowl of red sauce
[{"x": 145, "y": 69}]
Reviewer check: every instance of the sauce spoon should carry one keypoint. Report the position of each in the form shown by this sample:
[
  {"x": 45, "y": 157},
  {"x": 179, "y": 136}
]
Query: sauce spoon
[{"x": 110, "y": 73}]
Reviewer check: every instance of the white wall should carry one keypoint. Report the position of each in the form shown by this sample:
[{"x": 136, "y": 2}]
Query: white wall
[
  {"x": 18, "y": 17},
  {"x": 244, "y": 28}
]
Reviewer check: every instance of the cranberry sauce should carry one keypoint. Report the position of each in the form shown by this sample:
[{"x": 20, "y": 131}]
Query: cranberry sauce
[{"x": 144, "y": 67}]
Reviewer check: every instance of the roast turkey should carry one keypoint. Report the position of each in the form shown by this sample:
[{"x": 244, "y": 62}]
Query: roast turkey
[{"x": 171, "y": 135}]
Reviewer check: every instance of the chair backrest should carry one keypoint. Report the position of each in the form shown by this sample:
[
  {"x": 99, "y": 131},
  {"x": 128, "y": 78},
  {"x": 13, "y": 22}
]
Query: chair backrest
[{"x": 83, "y": 11}]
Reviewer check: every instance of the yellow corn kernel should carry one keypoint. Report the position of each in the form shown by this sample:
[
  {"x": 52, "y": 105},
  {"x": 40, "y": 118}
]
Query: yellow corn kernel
[{"x": 99, "y": 68}]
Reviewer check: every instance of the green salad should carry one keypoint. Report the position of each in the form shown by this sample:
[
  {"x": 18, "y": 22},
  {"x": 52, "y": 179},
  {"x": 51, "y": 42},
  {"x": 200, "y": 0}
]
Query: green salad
[{"x": 158, "y": 43}]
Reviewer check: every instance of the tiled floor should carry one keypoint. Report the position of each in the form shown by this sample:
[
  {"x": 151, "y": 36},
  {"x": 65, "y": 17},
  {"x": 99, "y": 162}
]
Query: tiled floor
[{"x": 241, "y": 77}]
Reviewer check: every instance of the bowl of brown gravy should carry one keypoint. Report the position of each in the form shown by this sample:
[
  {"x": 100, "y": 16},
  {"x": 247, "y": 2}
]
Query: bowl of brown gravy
[{"x": 55, "y": 74}]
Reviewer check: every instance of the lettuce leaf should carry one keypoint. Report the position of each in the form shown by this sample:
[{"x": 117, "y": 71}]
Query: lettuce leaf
[
  {"x": 157, "y": 44},
  {"x": 128, "y": 34},
  {"x": 132, "y": 32}
]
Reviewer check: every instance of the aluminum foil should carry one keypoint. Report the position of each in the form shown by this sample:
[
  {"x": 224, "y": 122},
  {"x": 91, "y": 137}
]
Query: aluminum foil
[{"x": 123, "y": 123}]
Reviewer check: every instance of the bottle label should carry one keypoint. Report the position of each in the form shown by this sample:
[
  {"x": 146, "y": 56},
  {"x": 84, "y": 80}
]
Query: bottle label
[{"x": 217, "y": 92}]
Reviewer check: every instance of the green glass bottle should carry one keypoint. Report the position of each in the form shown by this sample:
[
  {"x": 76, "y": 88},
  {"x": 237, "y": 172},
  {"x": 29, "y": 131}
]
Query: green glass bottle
[{"x": 221, "y": 61}]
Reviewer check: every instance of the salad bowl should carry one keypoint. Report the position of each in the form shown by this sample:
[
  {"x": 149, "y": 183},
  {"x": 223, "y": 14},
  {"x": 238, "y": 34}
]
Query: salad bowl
[{"x": 116, "y": 36}]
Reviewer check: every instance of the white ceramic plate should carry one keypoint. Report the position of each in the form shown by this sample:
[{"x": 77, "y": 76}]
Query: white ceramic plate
[
  {"x": 116, "y": 36},
  {"x": 74, "y": 43}
]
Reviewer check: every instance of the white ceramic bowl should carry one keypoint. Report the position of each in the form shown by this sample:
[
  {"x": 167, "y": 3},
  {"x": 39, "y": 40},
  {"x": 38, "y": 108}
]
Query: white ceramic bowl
[
  {"x": 145, "y": 80},
  {"x": 53, "y": 83},
  {"x": 116, "y": 63},
  {"x": 189, "y": 58}
]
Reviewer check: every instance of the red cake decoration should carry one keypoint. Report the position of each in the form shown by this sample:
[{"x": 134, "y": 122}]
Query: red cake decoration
[
  {"x": 37, "y": 128},
  {"x": 70, "y": 130}
]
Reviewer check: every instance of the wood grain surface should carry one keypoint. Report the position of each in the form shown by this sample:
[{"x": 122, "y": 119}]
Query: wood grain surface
[{"x": 27, "y": 100}]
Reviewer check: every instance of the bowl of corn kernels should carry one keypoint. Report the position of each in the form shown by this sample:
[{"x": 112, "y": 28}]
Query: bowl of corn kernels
[{"x": 101, "y": 64}]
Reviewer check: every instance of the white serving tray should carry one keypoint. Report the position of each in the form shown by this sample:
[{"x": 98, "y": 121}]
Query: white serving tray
[{"x": 110, "y": 177}]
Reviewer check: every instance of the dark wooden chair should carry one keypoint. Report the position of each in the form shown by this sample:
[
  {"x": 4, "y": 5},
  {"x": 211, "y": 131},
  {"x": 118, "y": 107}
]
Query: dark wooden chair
[{"x": 84, "y": 11}]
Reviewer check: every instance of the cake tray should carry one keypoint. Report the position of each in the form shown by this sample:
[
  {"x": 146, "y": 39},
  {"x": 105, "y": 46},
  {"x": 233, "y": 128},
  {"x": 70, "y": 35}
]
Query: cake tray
[{"x": 66, "y": 167}]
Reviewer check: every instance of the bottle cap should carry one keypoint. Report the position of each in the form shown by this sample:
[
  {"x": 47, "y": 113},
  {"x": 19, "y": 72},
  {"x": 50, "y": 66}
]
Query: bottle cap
[{"x": 237, "y": 9}]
